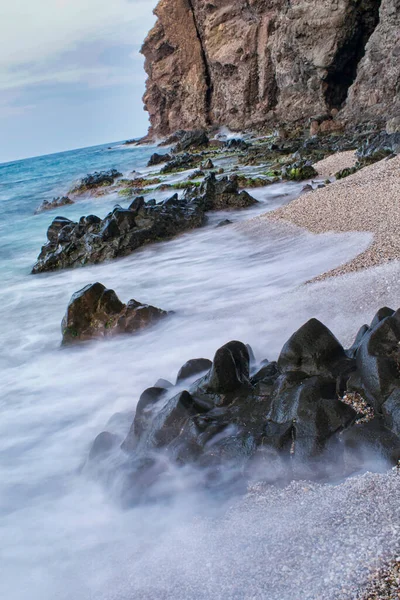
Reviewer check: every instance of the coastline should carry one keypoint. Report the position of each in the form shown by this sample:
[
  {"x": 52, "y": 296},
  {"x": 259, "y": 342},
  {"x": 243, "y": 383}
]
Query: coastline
[{"x": 366, "y": 201}]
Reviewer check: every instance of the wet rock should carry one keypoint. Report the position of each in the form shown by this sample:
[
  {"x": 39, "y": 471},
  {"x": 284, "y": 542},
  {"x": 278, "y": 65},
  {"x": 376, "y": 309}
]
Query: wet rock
[
  {"x": 378, "y": 360},
  {"x": 96, "y": 312},
  {"x": 208, "y": 164},
  {"x": 220, "y": 194},
  {"x": 378, "y": 147},
  {"x": 299, "y": 171},
  {"x": 121, "y": 232},
  {"x": 96, "y": 180},
  {"x": 158, "y": 159},
  {"x": 313, "y": 350},
  {"x": 192, "y": 140},
  {"x": 224, "y": 223},
  {"x": 236, "y": 144},
  {"x": 230, "y": 420},
  {"x": 55, "y": 203},
  {"x": 196, "y": 366},
  {"x": 180, "y": 163}
]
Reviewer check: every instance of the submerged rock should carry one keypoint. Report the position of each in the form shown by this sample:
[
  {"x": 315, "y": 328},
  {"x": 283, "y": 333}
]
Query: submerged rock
[
  {"x": 55, "y": 203},
  {"x": 96, "y": 312},
  {"x": 298, "y": 409}
]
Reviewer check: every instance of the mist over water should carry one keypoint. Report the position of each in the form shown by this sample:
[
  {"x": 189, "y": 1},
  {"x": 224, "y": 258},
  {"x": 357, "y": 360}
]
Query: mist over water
[{"x": 63, "y": 535}]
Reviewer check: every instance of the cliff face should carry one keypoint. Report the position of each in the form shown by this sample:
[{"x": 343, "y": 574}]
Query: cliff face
[{"x": 242, "y": 63}]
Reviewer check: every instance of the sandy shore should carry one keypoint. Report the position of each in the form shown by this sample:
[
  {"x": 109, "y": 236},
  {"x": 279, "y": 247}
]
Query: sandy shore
[{"x": 366, "y": 201}]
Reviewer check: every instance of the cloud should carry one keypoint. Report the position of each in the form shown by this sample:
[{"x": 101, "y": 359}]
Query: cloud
[{"x": 63, "y": 60}]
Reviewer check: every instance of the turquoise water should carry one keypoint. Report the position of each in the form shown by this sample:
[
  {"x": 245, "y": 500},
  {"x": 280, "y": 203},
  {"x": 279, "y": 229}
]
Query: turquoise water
[{"x": 62, "y": 535}]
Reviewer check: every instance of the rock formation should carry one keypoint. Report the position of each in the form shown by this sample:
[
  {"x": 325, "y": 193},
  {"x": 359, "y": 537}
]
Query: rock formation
[
  {"x": 122, "y": 231},
  {"x": 97, "y": 312},
  {"x": 318, "y": 411},
  {"x": 244, "y": 63}
]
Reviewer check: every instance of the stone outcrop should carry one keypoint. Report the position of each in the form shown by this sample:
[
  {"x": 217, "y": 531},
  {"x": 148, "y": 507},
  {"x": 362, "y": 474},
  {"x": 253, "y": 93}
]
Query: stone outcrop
[
  {"x": 96, "y": 312},
  {"x": 318, "y": 411},
  {"x": 93, "y": 240},
  {"x": 246, "y": 63}
]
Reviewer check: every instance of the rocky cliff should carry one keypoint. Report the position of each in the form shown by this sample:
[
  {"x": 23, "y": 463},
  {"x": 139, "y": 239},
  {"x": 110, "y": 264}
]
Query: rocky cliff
[{"x": 244, "y": 63}]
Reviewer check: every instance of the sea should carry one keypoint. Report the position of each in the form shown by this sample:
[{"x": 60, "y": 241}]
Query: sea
[{"x": 65, "y": 535}]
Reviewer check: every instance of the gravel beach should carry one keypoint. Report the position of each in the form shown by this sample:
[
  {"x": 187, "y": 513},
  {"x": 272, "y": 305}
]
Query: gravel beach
[
  {"x": 335, "y": 162},
  {"x": 365, "y": 201}
]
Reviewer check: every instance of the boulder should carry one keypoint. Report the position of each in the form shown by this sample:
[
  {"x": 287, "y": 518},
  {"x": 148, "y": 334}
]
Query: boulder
[
  {"x": 180, "y": 163},
  {"x": 312, "y": 349},
  {"x": 221, "y": 194},
  {"x": 158, "y": 159},
  {"x": 378, "y": 147},
  {"x": 297, "y": 411},
  {"x": 192, "y": 140},
  {"x": 193, "y": 367},
  {"x": 96, "y": 312}
]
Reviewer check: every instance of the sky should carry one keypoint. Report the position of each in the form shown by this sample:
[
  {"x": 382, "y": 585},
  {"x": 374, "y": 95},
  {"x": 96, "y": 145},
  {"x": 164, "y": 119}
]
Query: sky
[{"x": 71, "y": 74}]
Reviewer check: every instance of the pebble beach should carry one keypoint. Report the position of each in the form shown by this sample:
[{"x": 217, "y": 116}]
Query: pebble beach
[{"x": 366, "y": 201}]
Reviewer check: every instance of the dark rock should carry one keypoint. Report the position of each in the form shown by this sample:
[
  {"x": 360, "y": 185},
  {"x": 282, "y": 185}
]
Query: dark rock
[
  {"x": 158, "y": 159},
  {"x": 299, "y": 171},
  {"x": 380, "y": 315},
  {"x": 313, "y": 350},
  {"x": 163, "y": 383},
  {"x": 180, "y": 163},
  {"x": 378, "y": 360},
  {"x": 236, "y": 144},
  {"x": 192, "y": 140},
  {"x": 196, "y": 366},
  {"x": 93, "y": 240},
  {"x": 352, "y": 351},
  {"x": 95, "y": 312},
  {"x": 224, "y": 223},
  {"x": 55, "y": 203},
  {"x": 96, "y": 180},
  {"x": 378, "y": 147},
  {"x": 208, "y": 164},
  {"x": 220, "y": 194},
  {"x": 231, "y": 422}
]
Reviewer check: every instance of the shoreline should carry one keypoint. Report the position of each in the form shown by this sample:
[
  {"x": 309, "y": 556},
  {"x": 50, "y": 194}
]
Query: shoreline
[{"x": 363, "y": 202}]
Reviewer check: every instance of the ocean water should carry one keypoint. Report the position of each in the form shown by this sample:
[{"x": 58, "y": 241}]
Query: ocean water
[{"x": 62, "y": 534}]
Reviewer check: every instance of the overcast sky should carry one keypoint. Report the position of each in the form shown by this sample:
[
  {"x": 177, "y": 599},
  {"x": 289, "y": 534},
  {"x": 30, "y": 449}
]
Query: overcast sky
[{"x": 70, "y": 74}]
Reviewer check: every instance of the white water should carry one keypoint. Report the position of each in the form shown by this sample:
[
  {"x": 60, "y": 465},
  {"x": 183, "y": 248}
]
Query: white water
[{"x": 62, "y": 535}]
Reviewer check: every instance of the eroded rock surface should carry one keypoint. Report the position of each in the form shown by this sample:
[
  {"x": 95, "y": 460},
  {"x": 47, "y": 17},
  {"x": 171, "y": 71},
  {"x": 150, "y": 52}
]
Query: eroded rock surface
[
  {"x": 122, "y": 231},
  {"x": 243, "y": 64},
  {"x": 318, "y": 411},
  {"x": 97, "y": 312}
]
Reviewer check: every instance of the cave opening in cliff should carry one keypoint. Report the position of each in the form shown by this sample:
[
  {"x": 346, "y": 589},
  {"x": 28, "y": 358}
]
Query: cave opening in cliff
[{"x": 343, "y": 70}]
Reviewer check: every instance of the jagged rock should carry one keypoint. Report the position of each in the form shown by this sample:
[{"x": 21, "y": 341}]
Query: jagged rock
[
  {"x": 229, "y": 420},
  {"x": 96, "y": 312},
  {"x": 96, "y": 180},
  {"x": 208, "y": 164},
  {"x": 378, "y": 147},
  {"x": 55, "y": 203},
  {"x": 243, "y": 65},
  {"x": 158, "y": 159},
  {"x": 219, "y": 194},
  {"x": 122, "y": 231},
  {"x": 236, "y": 144},
  {"x": 378, "y": 360},
  {"x": 192, "y": 140},
  {"x": 180, "y": 163},
  {"x": 313, "y": 350}
]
